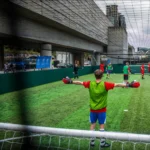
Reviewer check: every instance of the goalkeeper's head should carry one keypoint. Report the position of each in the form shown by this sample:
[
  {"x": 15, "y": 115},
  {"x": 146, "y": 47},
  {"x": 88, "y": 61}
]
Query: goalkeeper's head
[{"x": 98, "y": 74}]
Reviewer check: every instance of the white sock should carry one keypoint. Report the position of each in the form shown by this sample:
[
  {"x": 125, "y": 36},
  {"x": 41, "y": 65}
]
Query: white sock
[
  {"x": 93, "y": 138},
  {"x": 102, "y": 141}
]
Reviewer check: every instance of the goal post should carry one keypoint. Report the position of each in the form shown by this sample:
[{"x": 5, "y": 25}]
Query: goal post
[{"x": 60, "y": 134}]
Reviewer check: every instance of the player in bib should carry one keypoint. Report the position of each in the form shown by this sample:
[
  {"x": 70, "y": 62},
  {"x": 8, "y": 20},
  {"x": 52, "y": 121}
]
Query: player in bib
[
  {"x": 126, "y": 71},
  {"x": 98, "y": 91},
  {"x": 109, "y": 70}
]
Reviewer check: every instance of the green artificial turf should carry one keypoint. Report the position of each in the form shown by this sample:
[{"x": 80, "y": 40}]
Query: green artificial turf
[{"x": 67, "y": 106}]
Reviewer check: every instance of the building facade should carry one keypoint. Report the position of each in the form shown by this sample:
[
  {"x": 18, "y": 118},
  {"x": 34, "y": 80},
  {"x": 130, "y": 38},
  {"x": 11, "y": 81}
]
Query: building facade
[{"x": 117, "y": 19}]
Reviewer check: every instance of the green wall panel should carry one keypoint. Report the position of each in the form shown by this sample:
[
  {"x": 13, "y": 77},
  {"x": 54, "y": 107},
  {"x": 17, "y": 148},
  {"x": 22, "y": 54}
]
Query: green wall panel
[
  {"x": 137, "y": 68},
  {"x": 12, "y": 82},
  {"x": 118, "y": 68}
]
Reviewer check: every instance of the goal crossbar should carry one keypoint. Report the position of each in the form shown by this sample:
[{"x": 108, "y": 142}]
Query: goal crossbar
[{"x": 77, "y": 133}]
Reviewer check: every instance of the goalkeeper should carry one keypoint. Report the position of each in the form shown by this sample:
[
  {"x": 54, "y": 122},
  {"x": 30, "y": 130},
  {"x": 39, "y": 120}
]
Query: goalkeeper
[{"x": 98, "y": 91}]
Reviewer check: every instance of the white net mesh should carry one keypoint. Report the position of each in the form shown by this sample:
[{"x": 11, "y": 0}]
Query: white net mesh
[{"x": 15, "y": 137}]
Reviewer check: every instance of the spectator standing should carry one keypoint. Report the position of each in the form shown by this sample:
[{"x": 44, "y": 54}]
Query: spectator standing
[
  {"x": 6, "y": 68},
  {"x": 75, "y": 70}
]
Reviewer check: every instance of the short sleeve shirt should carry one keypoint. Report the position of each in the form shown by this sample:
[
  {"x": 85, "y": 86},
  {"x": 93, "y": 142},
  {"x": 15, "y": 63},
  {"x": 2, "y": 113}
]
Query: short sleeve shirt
[{"x": 108, "y": 85}]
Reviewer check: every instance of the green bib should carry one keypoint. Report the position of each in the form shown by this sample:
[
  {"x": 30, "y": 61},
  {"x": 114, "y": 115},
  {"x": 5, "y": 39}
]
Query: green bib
[
  {"x": 109, "y": 67},
  {"x": 125, "y": 69},
  {"x": 98, "y": 95}
]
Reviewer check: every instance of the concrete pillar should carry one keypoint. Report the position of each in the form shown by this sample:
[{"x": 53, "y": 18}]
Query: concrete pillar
[
  {"x": 71, "y": 58},
  {"x": 97, "y": 58},
  {"x": 93, "y": 59},
  {"x": 1, "y": 56},
  {"x": 46, "y": 50}
]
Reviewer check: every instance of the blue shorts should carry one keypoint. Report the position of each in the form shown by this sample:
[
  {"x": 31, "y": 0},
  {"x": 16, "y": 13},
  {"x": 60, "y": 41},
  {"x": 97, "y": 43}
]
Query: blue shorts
[
  {"x": 100, "y": 116},
  {"x": 109, "y": 71}
]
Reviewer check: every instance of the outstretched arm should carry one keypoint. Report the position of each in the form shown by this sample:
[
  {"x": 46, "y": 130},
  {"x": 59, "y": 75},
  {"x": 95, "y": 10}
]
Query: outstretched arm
[
  {"x": 77, "y": 82},
  {"x": 67, "y": 80},
  {"x": 133, "y": 84},
  {"x": 120, "y": 85}
]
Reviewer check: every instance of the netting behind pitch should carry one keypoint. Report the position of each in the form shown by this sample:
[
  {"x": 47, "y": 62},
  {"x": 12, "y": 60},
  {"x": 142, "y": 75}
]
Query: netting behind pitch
[{"x": 16, "y": 137}]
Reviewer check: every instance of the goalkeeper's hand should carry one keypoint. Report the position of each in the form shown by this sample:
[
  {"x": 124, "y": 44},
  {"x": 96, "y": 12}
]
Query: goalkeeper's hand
[
  {"x": 133, "y": 84},
  {"x": 67, "y": 80}
]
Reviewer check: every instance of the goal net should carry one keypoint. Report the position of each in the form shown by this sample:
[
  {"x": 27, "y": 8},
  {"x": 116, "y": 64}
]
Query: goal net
[{"x": 14, "y": 137}]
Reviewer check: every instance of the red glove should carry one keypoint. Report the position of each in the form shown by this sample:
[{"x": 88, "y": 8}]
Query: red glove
[
  {"x": 133, "y": 84},
  {"x": 67, "y": 80}
]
